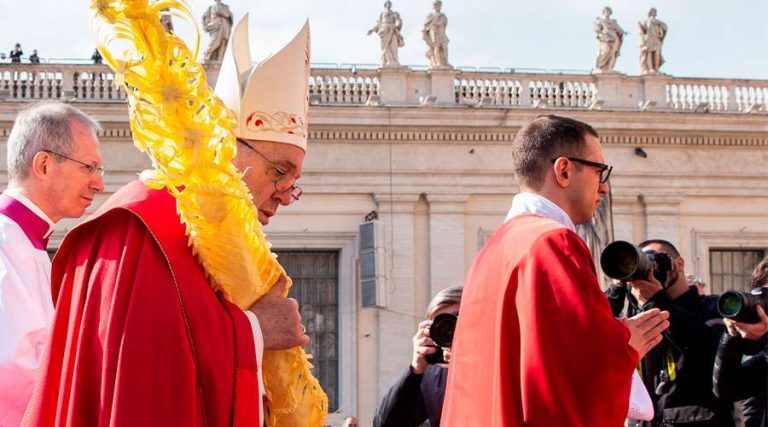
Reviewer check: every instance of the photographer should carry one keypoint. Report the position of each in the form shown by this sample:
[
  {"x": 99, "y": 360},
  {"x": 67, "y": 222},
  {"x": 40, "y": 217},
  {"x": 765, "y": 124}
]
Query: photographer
[
  {"x": 677, "y": 371},
  {"x": 741, "y": 367},
  {"x": 417, "y": 396}
]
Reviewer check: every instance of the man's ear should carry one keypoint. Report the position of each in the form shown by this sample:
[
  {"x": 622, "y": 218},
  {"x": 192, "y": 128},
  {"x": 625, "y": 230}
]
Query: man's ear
[
  {"x": 41, "y": 164},
  {"x": 679, "y": 263},
  {"x": 562, "y": 171}
]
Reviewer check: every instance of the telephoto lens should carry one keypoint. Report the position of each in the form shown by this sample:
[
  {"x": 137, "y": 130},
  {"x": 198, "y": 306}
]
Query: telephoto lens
[
  {"x": 442, "y": 329},
  {"x": 624, "y": 261},
  {"x": 742, "y": 306}
]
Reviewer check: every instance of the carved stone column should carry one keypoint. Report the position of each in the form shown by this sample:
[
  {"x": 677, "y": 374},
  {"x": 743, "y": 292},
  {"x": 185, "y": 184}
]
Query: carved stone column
[{"x": 446, "y": 240}]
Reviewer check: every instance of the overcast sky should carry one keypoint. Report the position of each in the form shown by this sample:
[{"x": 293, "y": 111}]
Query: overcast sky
[{"x": 707, "y": 38}]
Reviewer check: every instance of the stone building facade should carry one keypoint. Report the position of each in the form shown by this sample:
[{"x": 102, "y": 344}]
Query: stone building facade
[{"x": 428, "y": 151}]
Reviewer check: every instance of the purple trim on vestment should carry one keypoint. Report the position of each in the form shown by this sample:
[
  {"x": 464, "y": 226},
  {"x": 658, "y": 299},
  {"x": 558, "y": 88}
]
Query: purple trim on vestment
[{"x": 33, "y": 226}]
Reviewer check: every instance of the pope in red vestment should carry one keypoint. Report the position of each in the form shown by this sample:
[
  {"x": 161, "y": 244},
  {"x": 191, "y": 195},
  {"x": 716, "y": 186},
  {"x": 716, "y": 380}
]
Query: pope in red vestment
[
  {"x": 139, "y": 337},
  {"x": 536, "y": 343}
]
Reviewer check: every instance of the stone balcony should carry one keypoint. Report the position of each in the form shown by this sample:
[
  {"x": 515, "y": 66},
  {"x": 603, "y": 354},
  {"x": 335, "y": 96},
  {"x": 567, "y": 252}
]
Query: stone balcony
[{"x": 358, "y": 85}]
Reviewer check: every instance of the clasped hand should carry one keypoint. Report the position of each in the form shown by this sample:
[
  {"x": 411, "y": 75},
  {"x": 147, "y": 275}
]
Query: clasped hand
[{"x": 280, "y": 319}]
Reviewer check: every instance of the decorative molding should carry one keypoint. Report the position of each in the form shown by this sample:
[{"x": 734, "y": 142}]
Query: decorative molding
[
  {"x": 662, "y": 204},
  {"x": 120, "y": 132},
  {"x": 440, "y": 203},
  {"x": 110, "y": 132},
  {"x": 720, "y": 140},
  {"x": 351, "y": 133},
  {"x": 410, "y": 136},
  {"x": 506, "y": 135}
]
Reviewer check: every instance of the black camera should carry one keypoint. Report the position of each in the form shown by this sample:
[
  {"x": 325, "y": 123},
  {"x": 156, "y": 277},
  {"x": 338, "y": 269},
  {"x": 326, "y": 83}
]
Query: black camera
[
  {"x": 441, "y": 332},
  {"x": 742, "y": 306},
  {"x": 623, "y": 261}
]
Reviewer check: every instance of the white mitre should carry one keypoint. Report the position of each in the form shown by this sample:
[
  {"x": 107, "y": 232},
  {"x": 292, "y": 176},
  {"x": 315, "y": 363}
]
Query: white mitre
[{"x": 270, "y": 99}]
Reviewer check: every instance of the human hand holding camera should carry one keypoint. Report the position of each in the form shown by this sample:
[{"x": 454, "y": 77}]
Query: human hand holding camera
[
  {"x": 643, "y": 290},
  {"x": 433, "y": 341},
  {"x": 750, "y": 331},
  {"x": 422, "y": 347}
]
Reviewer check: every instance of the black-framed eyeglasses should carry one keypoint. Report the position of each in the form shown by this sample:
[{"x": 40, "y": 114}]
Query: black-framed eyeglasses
[
  {"x": 282, "y": 174},
  {"x": 605, "y": 170},
  {"x": 90, "y": 168}
]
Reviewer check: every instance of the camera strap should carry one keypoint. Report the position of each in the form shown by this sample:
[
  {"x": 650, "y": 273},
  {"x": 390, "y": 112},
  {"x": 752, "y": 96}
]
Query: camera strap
[{"x": 671, "y": 369}]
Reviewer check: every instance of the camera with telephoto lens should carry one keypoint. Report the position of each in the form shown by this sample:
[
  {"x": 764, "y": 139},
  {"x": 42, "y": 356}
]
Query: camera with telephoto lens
[
  {"x": 441, "y": 332},
  {"x": 742, "y": 306},
  {"x": 624, "y": 261}
]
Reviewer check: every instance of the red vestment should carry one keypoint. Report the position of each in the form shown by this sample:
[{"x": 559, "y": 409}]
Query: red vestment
[
  {"x": 139, "y": 337},
  {"x": 536, "y": 343}
]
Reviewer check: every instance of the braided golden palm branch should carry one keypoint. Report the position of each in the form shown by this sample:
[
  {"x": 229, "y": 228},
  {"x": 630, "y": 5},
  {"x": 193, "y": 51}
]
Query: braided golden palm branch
[{"x": 189, "y": 135}]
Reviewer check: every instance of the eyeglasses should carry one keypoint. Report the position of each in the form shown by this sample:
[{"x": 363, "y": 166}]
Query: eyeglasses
[
  {"x": 282, "y": 174},
  {"x": 605, "y": 170},
  {"x": 90, "y": 168}
]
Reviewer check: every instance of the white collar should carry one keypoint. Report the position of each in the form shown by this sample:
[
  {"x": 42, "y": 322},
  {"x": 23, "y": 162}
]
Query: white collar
[
  {"x": 16, "y": 194},
  {"x": 532, "y": 203}
]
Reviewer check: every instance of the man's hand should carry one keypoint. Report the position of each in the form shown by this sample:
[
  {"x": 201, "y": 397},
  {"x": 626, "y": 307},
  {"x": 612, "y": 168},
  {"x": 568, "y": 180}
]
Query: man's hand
[
  {"x": 619, "y": 283},
  {"x": 645, "y": 329},
  {"x": 750, "y": 331},
  {"x": 422, "y": 346},
  {"x": 279, "y": 319},
  {"x": 643, "y": 290}
]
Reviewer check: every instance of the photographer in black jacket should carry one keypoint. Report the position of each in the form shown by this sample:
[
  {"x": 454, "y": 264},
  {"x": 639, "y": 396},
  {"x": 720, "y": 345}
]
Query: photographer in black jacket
[
  {"x": 677, "y": 372},
  {"x": 418, "y": 394},
  {"x": 741, "y": 368}
]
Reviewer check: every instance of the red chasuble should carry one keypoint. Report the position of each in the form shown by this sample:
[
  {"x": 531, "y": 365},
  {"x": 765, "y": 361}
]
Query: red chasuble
[
  {"x": 139, "y": 338},
  {"x": 536, "y": 344}
]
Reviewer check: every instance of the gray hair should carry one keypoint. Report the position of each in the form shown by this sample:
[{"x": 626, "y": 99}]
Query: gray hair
[
  {"x": 444, "y": 298},
  {"x": 43, "y": 126}
]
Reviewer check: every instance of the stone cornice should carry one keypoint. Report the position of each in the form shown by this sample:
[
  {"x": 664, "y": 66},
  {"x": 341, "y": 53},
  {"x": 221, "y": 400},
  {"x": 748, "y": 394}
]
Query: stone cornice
[
  {"x": 447, "y": 203},
  {"x": 429, "y": 130},
  {"x": 353, "y": 134},
  {"x": 396, "y": 202},
  {"x": 699, "y": 140},
  {"x": 489, "y": 136},
  {"x": 107, "y": 131},
  {"x": 662, "y": 204}
]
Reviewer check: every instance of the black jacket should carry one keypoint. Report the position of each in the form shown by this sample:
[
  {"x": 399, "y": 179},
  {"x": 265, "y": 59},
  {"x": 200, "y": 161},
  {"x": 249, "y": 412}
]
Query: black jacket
[
  {"x": 677, "y": 372},
  {"x": 741, "y": 373},
  {"x": 413, "y": 399}
]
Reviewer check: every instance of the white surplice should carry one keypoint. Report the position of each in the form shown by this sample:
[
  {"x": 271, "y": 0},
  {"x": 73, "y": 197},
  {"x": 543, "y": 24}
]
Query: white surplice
[{"x": 26, "y": 313}]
